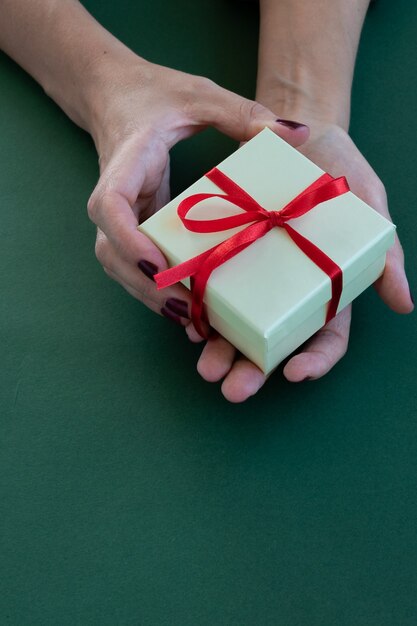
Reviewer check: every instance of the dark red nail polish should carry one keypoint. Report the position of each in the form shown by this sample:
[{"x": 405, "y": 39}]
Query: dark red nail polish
[
  {"x": 171, "y": 316},
  {"x": 148, "y": 268},
  {"x": 307, "y": 378},
  {"x": 177, "y": 306},
  {"x": 411, "y": 296},
  {"x": 291, "y": 124}
]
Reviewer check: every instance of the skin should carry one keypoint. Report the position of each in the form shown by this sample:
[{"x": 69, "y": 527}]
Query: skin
[{"x": 136, "y": 111}]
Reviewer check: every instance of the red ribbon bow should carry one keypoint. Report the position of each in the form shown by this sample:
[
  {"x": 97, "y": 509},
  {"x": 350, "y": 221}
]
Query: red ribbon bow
[{"x": 200, "y": 267}]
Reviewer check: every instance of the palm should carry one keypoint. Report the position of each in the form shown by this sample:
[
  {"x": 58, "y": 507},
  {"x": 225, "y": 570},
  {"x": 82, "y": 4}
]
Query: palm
[
  {"x": 154, "y": 190},
  {"x": 334, "y": 151}
]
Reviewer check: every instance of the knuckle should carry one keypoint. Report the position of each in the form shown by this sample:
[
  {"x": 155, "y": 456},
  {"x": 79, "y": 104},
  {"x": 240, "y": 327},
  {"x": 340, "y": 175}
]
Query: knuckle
[
  {"x": 250, "y": 112},
  {"x": 343, "y": 349},
  {"x": 194, "y": 96},
  {"x": 145, "y": 293},
  {"x": 92, "y": 207},
  {"x": 102, "y": 252},
  {"x": 204, "y": 84},
  {"x": 100, "y": 201},
  {"x": 378, "y": 196},
  {"x": 380, "y": 191}
]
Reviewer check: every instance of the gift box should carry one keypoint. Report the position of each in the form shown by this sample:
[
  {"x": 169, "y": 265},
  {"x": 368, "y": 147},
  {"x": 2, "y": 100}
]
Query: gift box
[{"x": 302, "y": 249}]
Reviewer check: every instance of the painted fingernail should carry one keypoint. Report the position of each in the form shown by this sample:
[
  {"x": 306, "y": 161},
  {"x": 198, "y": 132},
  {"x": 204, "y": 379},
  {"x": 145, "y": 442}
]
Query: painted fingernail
[
  {"x": 411, "y": 296},
  {"x": 177, "y": 306},
  {"x": 291, "y": 124},
  {"x": 171, "y": 316},
  {"x": 307, "y": 378},
  {"x": 148, "y": 268}
]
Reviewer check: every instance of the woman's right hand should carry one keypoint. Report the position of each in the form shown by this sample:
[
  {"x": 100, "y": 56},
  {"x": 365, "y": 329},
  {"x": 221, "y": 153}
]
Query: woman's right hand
[{"x": 140, "y": 110}]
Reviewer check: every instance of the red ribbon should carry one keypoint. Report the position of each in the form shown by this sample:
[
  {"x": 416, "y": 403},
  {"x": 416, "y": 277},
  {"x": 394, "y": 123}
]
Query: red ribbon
[{"x": 200, "y": 267}]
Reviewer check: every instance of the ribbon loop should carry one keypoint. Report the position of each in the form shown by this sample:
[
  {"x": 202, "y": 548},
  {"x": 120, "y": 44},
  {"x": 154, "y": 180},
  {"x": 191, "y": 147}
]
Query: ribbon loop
[{"x": 259, "y": 222}]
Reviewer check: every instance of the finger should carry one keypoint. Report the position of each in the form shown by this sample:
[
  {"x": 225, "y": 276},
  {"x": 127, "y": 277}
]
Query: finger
[
  {"x": 135, "y": 174},
  {"x": 174, "y": 300},
  {"x": 115, "y": 219},
  {"x": 192, "y": 334},
  {"x": 111, "y": 204},
  {"x": 243, "y": 381},
  {"x": 174, "y": 314},
  {"x": 243, "y": 378},
  {"x": 322, "y": 352},
  {"x": 392, "y": 286},
  {"x": 146, "y": 205},
  {"x": 241, "y": 118},
  {"x": 216, "y": 359}
]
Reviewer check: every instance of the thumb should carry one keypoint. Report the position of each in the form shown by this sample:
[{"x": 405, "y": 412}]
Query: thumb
[
  {"x": 241, "y": 118},
  {"x": 393, "y": 285}
]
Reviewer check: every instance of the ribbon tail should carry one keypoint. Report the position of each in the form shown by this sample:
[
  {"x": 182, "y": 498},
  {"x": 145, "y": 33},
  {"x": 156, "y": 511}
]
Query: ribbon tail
[
  {"x": 184, "y": 270},
  {"x": 325, "y": 263}
]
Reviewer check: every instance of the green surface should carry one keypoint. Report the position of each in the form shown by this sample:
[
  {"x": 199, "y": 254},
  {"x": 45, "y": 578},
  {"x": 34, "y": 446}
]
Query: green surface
[{"x": 131, "y": 492}]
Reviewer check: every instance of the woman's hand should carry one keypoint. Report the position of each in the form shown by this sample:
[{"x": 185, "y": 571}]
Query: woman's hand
[
  {"x": 141, "y": 111},
  {"x": 332, "y": 149},
  {"x": 135, "y": 111}
]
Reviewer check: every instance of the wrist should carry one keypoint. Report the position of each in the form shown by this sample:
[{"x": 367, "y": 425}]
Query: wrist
[
  {"x": 306, "y": 58},
  {"x": 89, "y": 86},
  {"x": 298, "y": 95},
  {"x": 70, "y": 54},
  {"x": 108, "y": 77},
  {"x": 297, "y": 102}
]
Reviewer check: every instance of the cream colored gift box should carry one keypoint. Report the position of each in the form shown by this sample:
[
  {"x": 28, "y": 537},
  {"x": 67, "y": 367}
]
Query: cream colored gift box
[{"x": 271, "y": 297}]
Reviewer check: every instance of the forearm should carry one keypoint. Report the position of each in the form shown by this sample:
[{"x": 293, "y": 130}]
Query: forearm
[
  {"x": 63, "y": 47},
  {"x": 307, "y": 53}
]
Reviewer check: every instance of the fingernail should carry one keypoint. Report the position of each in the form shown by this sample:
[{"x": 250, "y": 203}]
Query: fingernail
[
  {"x": 411, "y": 296},
  {"x": 148, "y": 268},
  {"x": 171, "y": 316},
  {"x": 291, "y": 124},
  {"x": 307, "y": 378},
  {"x": 177, "y": 306}
]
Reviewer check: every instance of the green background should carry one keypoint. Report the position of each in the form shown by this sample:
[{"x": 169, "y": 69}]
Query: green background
[{"x": 131, "y": 491}]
